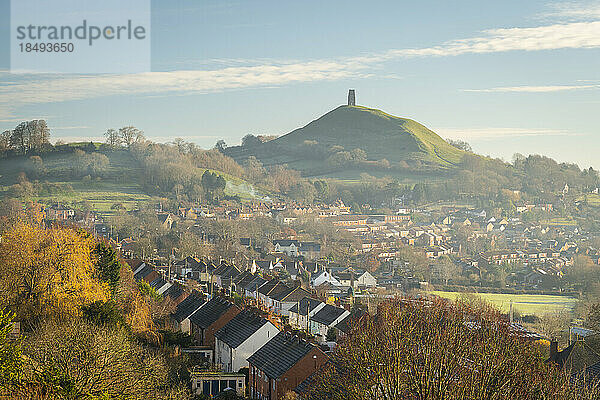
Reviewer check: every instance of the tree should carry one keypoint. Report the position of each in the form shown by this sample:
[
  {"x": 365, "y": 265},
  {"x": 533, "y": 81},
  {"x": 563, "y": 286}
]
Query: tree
[
  {"x": 460, "y": 144},
  {"x": 47, "y": 272},
  {"x": 5, "y": 140},
  {"x": 130, "y": 135},
  {"x": 77, "y": 359},
  {"x": 322, "y": 188},
  {"x": 213, "y": 183},
  {"x": 108, "y": 264},
  {"x": 29, "y": 136},
  {"x": 446, "y": 269},
  {"x": 221, "y": 145},
  {"x": 251, "y": 141},
  {"x": 431, "y": 349},
  {"x": 36, "y": 167},
  {"x": 10, "y": 354},
  {"x": 254, "y": 169},
  {"x": 113, "y": 138}
]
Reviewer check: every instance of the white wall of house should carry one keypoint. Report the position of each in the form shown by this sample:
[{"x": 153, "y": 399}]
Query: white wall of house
[
  {"x": 324, "y": 277},
  {"x": 317, "y": 328},
  {"x": 300, "y": 321},
  {"x": 233, "y": 360},
  {"x": 367, "y": 280}
]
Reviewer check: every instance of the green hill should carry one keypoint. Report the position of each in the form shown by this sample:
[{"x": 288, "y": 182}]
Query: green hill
[{"x": 404, "y": 143}]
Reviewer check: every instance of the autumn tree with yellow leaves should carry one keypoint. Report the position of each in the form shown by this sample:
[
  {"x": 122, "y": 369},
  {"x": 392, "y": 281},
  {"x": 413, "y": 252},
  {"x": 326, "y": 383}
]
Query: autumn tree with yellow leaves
[{"x": 45, "y": 271}]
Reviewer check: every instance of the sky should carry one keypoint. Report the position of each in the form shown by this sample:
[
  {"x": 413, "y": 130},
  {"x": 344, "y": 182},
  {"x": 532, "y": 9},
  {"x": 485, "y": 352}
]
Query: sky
[{"x": 508, "y": 77}]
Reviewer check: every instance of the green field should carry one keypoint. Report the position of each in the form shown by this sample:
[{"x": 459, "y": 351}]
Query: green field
[
  {"x": 525, "y": 304},
  {"x": 559, "y": 222},
  {"x": 591, "y": 199}
]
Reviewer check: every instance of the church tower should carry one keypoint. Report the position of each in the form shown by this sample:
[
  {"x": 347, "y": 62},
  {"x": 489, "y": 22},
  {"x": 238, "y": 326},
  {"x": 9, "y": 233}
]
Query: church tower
[{"x": 351, "y": 97}]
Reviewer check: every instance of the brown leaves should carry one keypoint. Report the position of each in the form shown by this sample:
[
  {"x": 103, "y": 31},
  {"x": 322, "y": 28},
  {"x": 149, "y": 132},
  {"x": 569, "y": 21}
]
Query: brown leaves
[{"x": 429, "y": 350}]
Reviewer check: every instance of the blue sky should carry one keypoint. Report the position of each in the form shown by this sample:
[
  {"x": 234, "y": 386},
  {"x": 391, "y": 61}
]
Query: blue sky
[{"x": 510, "y": 76}]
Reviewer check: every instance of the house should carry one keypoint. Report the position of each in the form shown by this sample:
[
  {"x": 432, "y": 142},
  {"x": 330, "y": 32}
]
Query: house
[
  {"x": 175, "y": 293},
  {"x": 581, "y": 358},
  {"x": 301, "y": 312},
  {"x": 310, "y": 250},
  {"x": 365, "y": 279},
  {"x": 211, "y": 383},
  {"x": 262, "y": 265},
  {"x": 284, "y": 300},
  {"x": 223, "y": 275},
  {"x": 322, "y": 277},
  {"x": 326, "y": 318},
  {"x": 181, "y": 316},
  {"x": 344, "y": 326},
  {"x": 289, "y": 247},
  {"x": 211, "y": 317},
  {"x": 165, "y": 220},
  {"x": 240, "y": 338},
  {"x": 252, "y": 287},
  {"x": 281, "y": 365},
  {"x": 269, "y": 289}
]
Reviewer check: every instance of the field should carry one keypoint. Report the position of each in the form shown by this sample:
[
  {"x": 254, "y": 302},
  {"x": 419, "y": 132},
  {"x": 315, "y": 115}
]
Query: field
[
  {"x": 525, "y": 304},
  {"x": 591, "y": 199},
  {"x": 559, "y": 222}
]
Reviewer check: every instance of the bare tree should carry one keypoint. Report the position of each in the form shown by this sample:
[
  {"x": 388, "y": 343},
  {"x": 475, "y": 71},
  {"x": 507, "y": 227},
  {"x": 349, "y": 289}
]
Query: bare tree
[
  {"x": 113, "y": 138},
  {"x": 418, "y": 349}
]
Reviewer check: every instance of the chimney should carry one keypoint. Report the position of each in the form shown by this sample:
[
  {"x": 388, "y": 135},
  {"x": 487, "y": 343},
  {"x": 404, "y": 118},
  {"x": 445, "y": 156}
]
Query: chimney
[
  {"x": 351, "y": 97},
  {"x": 553, "y": 350}
]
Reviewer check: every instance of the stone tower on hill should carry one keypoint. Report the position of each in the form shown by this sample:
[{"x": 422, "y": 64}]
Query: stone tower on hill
[{"x": 351, "y": 97}]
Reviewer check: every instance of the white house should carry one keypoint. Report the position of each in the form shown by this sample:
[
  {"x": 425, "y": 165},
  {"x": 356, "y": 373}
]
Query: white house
[
  {"x": 289, "y": 247},
  {"x": 323, "y": 277},
  {"x": 283, "y": 301},
  {"x": 240, "y": 338},
  {"x": 326, "y": 318},
  {"x": 302, "y": 311},
  {"x": 365, "y": 279}
]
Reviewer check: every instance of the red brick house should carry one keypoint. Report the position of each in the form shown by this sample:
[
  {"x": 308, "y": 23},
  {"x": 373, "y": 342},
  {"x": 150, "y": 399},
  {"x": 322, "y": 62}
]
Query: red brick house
[
  {"x": 281, "y": 365},
  {"x": 211, "y": 317}
]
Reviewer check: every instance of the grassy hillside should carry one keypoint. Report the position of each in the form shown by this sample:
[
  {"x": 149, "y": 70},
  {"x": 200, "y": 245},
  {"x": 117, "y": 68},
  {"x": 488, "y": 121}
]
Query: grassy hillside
[
  {"x": 380, "y": 135},
  {"x": 121, "y": 182}
]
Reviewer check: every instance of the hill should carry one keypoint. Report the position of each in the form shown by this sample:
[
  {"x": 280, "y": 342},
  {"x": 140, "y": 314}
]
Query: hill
[
  {"x": 113, "y": 177},
  {"x": 326, "y": 145}
]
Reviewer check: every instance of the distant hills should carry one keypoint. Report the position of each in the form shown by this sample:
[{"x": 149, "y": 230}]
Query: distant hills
[{"x": 330, "y": 144}]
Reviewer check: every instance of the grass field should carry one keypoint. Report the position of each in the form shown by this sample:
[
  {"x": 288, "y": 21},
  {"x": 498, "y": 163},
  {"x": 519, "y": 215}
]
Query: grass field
[
  {"x": 559, "y": 222},
  {"x": 592, "y": 199},
  {"x": 525, "y": 304}
]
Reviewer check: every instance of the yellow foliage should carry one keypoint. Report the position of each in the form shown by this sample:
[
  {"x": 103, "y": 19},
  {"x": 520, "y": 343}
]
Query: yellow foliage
[
  {"x": 47, "y": 271},
  {"x": 133, "y": 304}
]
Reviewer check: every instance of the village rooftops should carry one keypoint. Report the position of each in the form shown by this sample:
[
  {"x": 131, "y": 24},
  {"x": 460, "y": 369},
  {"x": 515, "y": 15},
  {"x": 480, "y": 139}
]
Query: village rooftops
[
  {"x": 255, "y": 283},
  {"x": 240, "y": 328},
  {"x": 188, "y": 306},
  {"x": 280, "y": 354},
  {"x": 328, "y": 314},
  {"x": 210, "y": 312},
  {"x": 306, "y": 305},
  {"x": 290, "y": 294}
]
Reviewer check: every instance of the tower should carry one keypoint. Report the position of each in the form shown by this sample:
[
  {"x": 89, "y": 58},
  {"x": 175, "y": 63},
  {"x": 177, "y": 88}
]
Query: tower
[{"x": 351, "y": 97}]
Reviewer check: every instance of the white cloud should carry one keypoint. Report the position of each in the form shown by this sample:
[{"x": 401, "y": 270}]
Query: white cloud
[
  {"x": 497, "y": 133},
  {"x": 534, "y": 89},
  {"x": 573, "y": 11},
  {"x": 35, "y": 89}
]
